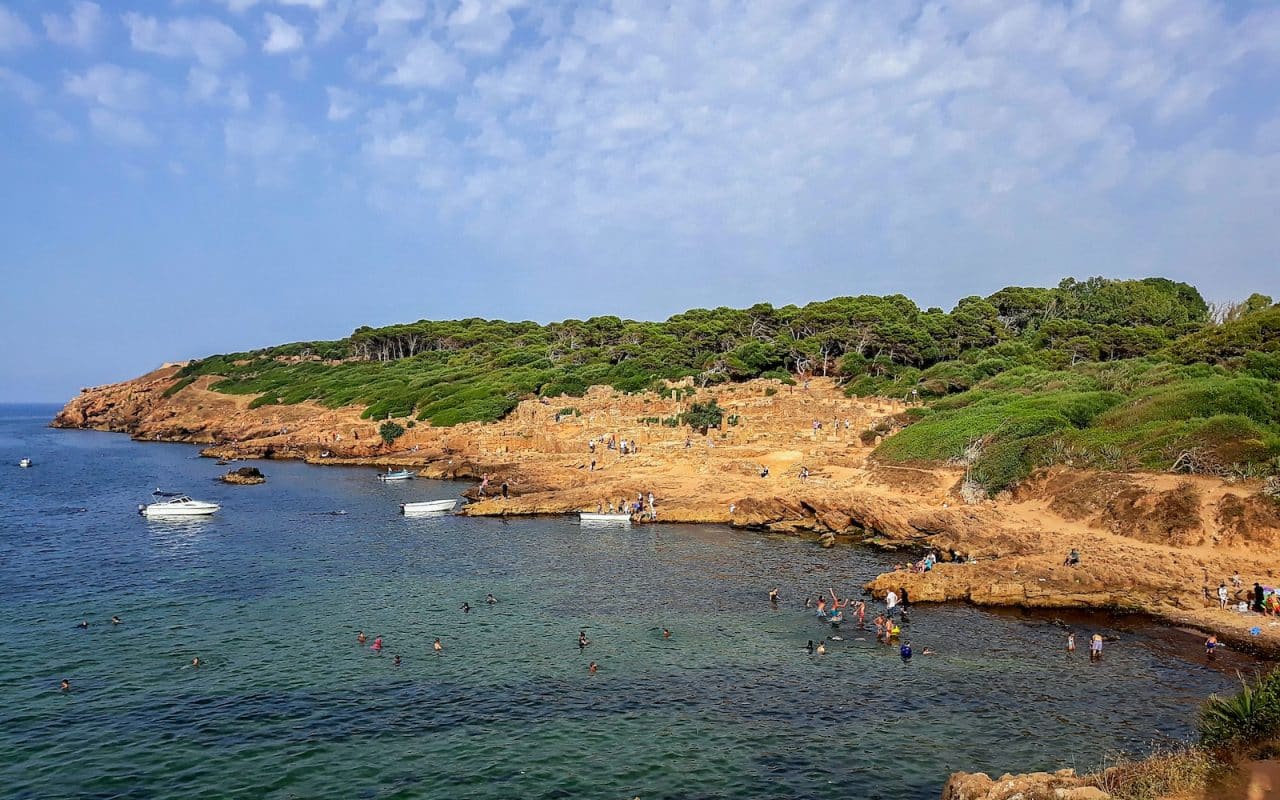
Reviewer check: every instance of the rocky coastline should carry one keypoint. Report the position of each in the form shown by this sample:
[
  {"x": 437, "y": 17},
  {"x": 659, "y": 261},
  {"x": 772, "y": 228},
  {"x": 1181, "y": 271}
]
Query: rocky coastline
[{"x": 1155, "y": 544}]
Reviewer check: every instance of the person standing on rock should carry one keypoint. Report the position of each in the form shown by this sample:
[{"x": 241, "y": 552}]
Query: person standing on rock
[
  {"x": 1222, "y": 595},
  {"x": 1259, "y": 597}
]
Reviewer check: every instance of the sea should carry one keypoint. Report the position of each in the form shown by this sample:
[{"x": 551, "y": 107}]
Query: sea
[{"x": 271, "y": 592}]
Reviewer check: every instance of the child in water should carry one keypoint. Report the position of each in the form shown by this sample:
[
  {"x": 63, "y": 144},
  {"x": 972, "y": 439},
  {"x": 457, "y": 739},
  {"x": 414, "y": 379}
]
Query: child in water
[{"x": 1071, "y": 642}]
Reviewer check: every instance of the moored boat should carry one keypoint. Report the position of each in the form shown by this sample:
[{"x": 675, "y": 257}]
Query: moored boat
[
  {"x": 604, "y": 519},
  {"x": 176, "y": 504},
  {"x": 398, "y": 475},
  {"x": 428, "y": 507}
]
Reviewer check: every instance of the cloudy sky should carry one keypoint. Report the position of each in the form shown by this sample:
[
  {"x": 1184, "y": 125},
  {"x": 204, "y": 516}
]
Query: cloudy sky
[{"x": 198, "y": 176}]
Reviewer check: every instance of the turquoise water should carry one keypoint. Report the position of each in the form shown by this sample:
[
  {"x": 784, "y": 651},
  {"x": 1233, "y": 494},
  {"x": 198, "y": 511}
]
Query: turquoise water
[{"x": 270, "y": 593}]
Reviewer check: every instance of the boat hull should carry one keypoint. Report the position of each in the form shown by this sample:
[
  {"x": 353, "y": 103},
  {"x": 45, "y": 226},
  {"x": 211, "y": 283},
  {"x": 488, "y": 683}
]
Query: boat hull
[
  {"x": 396, "y": 476},
  {"x": 427, "y": 507},
  {"x": 604, "y": 519},
  {"x": 193, "y": 511}
]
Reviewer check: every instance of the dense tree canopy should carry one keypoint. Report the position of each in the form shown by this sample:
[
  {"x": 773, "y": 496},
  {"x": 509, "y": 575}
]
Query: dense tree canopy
[{"x": 1002, "y": 345}]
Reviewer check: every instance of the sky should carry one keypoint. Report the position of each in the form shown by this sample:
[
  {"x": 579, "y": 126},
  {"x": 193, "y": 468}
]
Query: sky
[{"x": 188, "y": 177}]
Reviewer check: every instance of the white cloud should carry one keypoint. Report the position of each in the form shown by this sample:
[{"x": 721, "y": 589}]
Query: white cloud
[
  {"x": 393, "y": 11},
  {"x": 426, "y": 65},
  {"x": 281, "y": 36},
  {"x": 112, "y": 87},
  {"x": 209, "y": 87},
  {"x": 204, "y": 39},
  {"x": 269, "y": 143},
  {"x": 81, "y": 28},
  {"x": 342, "y": 103},
  {"x": 14, "y": 33},
  {"x": 481, "y": 26},
  {"x": 20, "y": 85},
  {"x": 120, "y": 128}
]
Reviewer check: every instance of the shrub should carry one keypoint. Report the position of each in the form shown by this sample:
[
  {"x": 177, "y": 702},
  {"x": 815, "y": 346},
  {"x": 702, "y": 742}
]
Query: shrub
[
  {"x": 1252, "y": 714},
  {"x": 702, "y": 416},
  {"x": 179, "y": 386},
  {"x": 390, "y": 431}
]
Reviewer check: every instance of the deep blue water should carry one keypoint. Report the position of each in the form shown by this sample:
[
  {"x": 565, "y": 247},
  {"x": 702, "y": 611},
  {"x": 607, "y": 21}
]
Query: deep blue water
[{"x": 271, "y": 592}]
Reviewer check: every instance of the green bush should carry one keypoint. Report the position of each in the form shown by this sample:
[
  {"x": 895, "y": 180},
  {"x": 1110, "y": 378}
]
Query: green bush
[
  {"x": 1251, "y": 715},
  {"x": 390, "y": 431},
  {"x": 702, "y": 416},
  {"x": 179, "y": 386}
]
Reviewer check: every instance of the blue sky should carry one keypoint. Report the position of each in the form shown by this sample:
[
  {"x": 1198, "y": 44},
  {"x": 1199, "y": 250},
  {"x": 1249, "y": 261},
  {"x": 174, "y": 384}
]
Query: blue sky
[{"x": 199, "y": 176}]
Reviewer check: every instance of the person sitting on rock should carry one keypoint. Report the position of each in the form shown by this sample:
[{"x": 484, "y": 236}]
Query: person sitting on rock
[{"x": 1073, "y": 558}]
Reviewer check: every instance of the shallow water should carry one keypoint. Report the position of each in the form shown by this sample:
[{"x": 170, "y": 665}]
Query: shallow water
[{"x": 270, "y": 594}]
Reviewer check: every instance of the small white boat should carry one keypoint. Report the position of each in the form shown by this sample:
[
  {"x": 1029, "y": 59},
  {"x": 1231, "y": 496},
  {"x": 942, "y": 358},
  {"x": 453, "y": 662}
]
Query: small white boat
[
  {"x": 400, "y": 475},
  {"x": 427, "y": 507},
  {"x": 175, "y": 504},
  {"x": 605, "y": 519},
  {"x": 26, "y": 462}
]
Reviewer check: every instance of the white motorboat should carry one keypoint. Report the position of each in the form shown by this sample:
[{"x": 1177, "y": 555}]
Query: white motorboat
[
  {"x": 427, "y": 507},
  {"x": 400, "y": 475},
  {"x": 176, "y": 504},
  {"x": 26, "y": 462},
  {"x": 593, "y": 518}
]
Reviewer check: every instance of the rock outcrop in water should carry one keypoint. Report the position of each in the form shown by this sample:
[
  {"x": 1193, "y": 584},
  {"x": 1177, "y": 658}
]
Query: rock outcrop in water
[{"x": 245, "y": 476}]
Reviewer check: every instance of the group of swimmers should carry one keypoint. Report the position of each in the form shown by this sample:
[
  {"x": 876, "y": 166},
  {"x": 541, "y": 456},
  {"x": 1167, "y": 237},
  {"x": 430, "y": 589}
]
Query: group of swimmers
[{"x": 887, "y": 624}]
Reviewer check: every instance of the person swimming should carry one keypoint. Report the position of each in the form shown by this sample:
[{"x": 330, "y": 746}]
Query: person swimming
[
  {"x": 490, "y": 599},
  {"x": 439, "y": 648},
  {"x": 396, "y": 662},
  {"x": 592, "y": 668},
  {"x": 195, "y": 662},
  {"x": 929, "y": 652},
  {"x": 83, "y": 625},
  {"x": 773, "y": 595},
  {"x": 583, "y": 641},
  {"x": 377, "y": 645},
  {"x": 65, "y": 685},
  {"x": 822, "y": 648},
  {"x": 361, "y": 638},
  {"x": 115, "y": 620},
  {"x": 666, "y": 634},
  {"x": 809, "y": 647},
  {"x": 905, "y": 651},
  {"x": 466, "y": 608}
]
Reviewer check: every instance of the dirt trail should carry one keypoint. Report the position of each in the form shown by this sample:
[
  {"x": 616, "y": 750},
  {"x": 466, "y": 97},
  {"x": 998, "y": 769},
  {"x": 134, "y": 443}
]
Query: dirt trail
[{"x": 1150, "y": 543}]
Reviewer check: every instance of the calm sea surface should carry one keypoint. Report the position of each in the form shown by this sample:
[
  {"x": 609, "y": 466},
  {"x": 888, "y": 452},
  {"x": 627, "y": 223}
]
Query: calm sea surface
[{"x": 271, "y": 592}]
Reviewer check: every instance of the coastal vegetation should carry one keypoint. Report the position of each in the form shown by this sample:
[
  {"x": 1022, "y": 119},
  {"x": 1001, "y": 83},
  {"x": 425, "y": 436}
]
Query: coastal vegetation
[{"x": 1112, "y": 374}]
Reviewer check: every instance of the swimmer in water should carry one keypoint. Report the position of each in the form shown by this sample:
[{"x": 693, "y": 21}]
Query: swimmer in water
[
  {"x": 490, "y": 599},
  {"x": 83, "y": 625},
  {"x": 1211, "y": 647},
  {"x": 361, "y": 638},
  {"x": 1071, "y": 642},
  {"x": 862, "y": 614},
  {"x": 66, "y": 685},
  {"x": 396, "y": 663},
  {"x": 905, "y": 651},
  {"x": 115, "y": 620},
  {"x": 466, "y": 608},
  {"x": 592, "y": 668},
  {"x": 773, "y": 595},
  {"x": 195, "y": 662},
  {"x": 439, "y": 648},
  {"x": 377, "y": 645},
  {"x": 1095, "y": 647},
  {"x": 929, "y": 652},
  {"x": 583, "y": 641},
  {"x": 809, "y": 647},
  {"x": 666, "y": 634},
  {"x": 822, "y": 648},
  {"x": 807, "y": 602}
]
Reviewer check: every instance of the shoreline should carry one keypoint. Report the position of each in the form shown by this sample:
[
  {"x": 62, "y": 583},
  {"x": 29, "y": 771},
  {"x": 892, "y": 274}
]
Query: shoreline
[{"x": 1156, "y": 544}]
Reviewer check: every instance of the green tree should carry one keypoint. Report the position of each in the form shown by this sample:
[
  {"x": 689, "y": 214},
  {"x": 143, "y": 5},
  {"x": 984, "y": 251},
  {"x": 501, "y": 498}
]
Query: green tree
[
  {"x": 390, "y": 431},
  {"x": 702, "y": 416}
]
